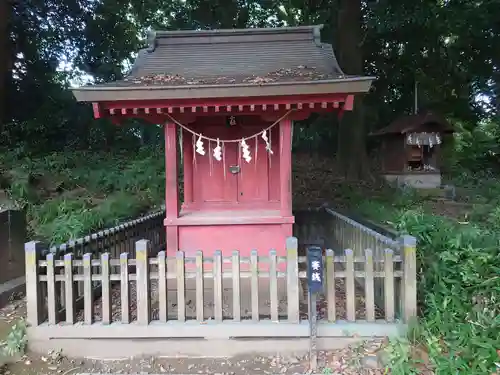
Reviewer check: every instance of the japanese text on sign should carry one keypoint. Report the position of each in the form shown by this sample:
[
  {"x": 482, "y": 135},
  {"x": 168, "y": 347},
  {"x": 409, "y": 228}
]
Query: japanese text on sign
[{"x": 315, "y": 269}]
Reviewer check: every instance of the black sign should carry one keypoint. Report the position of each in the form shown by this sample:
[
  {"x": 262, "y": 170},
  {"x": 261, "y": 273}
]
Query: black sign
[{"x": 315, "y": 269}]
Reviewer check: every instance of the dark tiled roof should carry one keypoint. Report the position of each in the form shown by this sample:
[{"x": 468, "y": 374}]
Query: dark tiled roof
[
  {"x": 230, "y": 63},
  {"x": 408, "y": 123},
  {"x": 255, "y": 56}
]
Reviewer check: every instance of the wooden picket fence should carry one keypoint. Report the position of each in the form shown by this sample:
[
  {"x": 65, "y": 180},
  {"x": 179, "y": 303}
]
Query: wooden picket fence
[
  {"x": 58, "y": 288},
  {"x": 115, "y": 240}
]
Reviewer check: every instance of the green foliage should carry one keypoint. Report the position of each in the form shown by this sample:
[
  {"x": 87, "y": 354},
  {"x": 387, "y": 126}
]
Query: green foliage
[
  {"x": 15, "y": 342},
  {"x": 476, "y": 150},
  {"x": 69, "y": 194},
  {"x": 53, "y": 44},
  {"x": 459, "y": 288}
]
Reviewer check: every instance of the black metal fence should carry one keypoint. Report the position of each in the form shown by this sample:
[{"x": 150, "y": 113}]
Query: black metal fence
[{"x": 116, "y": 240}]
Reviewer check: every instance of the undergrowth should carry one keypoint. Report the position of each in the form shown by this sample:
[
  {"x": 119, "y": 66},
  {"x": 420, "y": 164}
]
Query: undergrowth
[
  {"x": 69, "y": 194},
  {"x": 458, "y": 288},
  {"x": 15, "y": 343}
]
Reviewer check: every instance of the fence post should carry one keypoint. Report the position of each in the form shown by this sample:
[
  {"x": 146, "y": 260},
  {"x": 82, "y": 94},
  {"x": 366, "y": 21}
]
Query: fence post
[
  {"x": 350, "y": 286},
  {"x": 124, "y": 288},
  {"x": 51, "y": 289},
  {"x": 69, "y": 285},
  {"x": 180, "y": 270},
  {"x": 106, "y": 289},
  {"x": 292, "y": 276},
  {"x": 141, "y": 255},
  {"x": 88, "y": 291},
  {"x": 33, "y": 297},
  {"x": 330, "y": 284},
  {"x": 236, "y": 286},
  {"x": 409, "y": 244}
]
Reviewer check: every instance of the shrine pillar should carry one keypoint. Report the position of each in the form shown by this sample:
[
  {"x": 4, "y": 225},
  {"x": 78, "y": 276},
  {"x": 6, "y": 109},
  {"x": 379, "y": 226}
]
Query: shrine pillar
[
  {"x": 285, "y": 167},
  {"x": 187, "y": 157},
  {"x": 171, "y": 188}
]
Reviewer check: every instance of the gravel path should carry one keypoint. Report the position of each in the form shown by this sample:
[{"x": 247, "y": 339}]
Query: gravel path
[{"x": 351, "y": 361}]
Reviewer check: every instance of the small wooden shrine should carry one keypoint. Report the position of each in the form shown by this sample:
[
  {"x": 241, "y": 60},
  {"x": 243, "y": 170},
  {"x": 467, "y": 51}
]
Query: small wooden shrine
[
  {"x": 411, "y": 149},
  {"x": 228, "y": 99}
]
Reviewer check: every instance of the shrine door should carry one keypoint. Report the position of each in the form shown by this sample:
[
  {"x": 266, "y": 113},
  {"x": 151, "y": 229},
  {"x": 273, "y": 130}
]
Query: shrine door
[{"x": 233, "y": 180}]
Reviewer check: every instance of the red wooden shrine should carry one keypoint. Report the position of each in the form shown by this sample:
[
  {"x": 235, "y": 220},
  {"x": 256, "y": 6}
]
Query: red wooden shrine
[{"x": 228, "y": 100}]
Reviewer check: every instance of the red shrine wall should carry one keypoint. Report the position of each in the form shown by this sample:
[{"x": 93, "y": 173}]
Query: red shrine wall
[
  {"x": 231, "y": 211},
  {"x": 211, "y": 185},
  {"x": 261, "y": 237}
]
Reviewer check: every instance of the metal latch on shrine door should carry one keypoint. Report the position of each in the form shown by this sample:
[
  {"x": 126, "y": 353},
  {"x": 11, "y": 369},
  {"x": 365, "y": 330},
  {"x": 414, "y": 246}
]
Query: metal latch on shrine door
[{"x": 234, "y": 169}]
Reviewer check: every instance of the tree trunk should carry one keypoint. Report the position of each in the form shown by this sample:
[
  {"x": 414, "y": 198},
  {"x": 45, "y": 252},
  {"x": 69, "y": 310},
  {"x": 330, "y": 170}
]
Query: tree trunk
[
  {"x": 5, "y": 9},
  {"x": 351, "y": 151}
]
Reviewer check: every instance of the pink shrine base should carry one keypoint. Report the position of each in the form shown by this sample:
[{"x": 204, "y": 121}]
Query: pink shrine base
[
  {"x": 226, "y": 230},
  {"x": 244, "y": 238}
]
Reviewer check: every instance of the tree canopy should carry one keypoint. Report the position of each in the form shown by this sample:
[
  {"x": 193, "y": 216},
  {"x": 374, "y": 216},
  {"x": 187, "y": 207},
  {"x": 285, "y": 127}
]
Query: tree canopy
[{"x": 447, "y": 46}]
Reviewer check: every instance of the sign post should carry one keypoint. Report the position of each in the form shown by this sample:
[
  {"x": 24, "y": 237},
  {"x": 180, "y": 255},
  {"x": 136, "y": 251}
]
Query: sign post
[{"x": 315, "y": 286}]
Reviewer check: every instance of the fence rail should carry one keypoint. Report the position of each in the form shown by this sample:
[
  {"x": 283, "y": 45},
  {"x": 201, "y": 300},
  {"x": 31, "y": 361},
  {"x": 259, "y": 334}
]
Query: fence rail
[{"x": 348, "y": 232}]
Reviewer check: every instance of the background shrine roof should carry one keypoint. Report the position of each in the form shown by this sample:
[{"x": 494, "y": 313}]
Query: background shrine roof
[
  {"x": 411, "y": 123},
  {"x": 254, "y": 56}
]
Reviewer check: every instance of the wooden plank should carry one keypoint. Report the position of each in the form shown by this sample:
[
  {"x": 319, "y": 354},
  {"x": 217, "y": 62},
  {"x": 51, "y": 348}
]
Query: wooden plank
[
  {"x": 162, "y": 287},
  {"x": 51, "y": 289},
  {"x": 389, "y": 285},
  {"x": 33, "y": 290},
  {"x": 409, "y": 277},
  {"x": 199, "y": 287},
  {"x": 285, "y": 129},
  {"x": 181, "y": 287},
  {"x": 142, "y": 249},
  {"x": 330, "y": 284},
  {"x": 69, "y": 286},
  {"x": 218, "y": 286},
  {"x": 213, "y": 330},
  {"x": 273, "y": 286},
  {"x": 106, "y": 292},
  {"x": 255, "y": 285},
  {"x": 350, "y": 287},
  {"x": 292, "y": 274},
  {"x": 235, "y": 268},
  {"x": 171, "y": 174},
  {"x": 124, "y": 288},
  {"x": 62, "y": 288},
  {"x": 369, "y": 286},
  {"x": 88, "y": 300}
]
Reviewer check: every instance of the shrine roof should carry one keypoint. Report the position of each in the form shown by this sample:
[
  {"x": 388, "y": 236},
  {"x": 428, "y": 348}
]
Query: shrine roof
[
  {"x": 412, "y": 123},
  {"x": 230, "y": 63}
]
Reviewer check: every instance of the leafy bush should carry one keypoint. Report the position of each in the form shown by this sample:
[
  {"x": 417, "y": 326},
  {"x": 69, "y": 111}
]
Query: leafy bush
[
  {"x": 69, "y": 194},
  {"x": 15, "y": 342},
  {"x": 459, "y": 287}
]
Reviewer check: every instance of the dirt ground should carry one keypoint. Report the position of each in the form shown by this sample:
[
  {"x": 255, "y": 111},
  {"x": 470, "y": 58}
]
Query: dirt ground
[
  {"x": 454, "y": 210},
  {"x": 361, "y": 359}
]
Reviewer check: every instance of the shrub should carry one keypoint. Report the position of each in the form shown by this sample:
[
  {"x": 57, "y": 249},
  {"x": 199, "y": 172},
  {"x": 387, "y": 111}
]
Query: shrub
[{"x": 458, "y": 286}]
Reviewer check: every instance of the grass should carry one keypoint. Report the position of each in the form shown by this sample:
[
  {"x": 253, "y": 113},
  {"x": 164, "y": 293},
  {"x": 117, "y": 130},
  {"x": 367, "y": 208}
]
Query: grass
[
  {"x": 68, "y": 194},
  {"x": 458, "y": 285}
]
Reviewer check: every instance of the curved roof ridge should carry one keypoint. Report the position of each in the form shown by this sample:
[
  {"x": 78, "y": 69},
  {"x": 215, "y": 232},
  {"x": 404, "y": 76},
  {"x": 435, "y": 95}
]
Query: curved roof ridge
[{"x": 268, "y": 34}]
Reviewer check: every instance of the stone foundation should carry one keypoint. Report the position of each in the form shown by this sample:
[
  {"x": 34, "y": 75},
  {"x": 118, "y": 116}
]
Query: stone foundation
[{"x": 415, "y": 180}]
